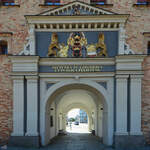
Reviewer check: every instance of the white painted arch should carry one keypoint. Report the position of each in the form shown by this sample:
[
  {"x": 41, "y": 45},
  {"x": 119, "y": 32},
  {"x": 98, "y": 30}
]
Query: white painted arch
[
  {"x": 107, "y": 103},
  {"x": 80, "y": 99}
]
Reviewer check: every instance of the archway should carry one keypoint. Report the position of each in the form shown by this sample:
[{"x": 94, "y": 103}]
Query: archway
[
  {"x": 77, "y": 98},
  {"x": 99, "y": 95}
]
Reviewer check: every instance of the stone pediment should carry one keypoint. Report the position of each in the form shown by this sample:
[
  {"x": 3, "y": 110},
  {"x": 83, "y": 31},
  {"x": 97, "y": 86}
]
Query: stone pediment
[{"x": 76, "y": 8}]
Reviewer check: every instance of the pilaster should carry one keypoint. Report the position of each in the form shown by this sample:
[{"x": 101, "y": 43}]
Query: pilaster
[
  {"x": 32, "y": 106},
  {"x": 121, "y": 39},
  {"x": 121, "y": 105},
  {"x": 18, "y": 106},
  {"x": 32, "y": 39},
  {"x": 135, "y": 104},
  {"x": 60, "y": 122}
]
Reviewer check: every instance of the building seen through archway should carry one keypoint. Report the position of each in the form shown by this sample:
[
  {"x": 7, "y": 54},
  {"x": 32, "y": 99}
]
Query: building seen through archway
[{"x": 77, "y": 121}]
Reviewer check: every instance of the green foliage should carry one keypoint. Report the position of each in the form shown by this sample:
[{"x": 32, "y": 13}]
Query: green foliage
[{"x": 71, "y": 119}]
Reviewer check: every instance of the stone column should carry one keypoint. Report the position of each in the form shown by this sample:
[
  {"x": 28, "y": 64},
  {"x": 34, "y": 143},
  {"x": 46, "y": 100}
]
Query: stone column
[
  {"x": 32, "y": 106},
  {"x": 65, "y": 117},
  {"x": 18, "y": 106},
  {"x": 121, "y": 39},
  {"x": 89, "y": 123},
  {"x": 121, "y": 105},
  {"x": 32, "y": 39},
  {"x": 93, "y": 123},
  {"x": 135, "y": 105},
  {"x": 60, "y": 123}
]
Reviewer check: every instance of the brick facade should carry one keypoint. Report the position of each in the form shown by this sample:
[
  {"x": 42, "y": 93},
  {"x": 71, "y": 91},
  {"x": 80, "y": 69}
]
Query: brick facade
[
  {"x": 5, "y": 99},
  {"x": 12, "y": 20},
  {"x": 146, "y": 100}
]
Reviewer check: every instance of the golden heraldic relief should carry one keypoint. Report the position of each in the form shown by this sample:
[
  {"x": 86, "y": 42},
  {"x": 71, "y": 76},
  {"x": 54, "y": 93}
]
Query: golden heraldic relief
[{"x": 77, "y": 46}]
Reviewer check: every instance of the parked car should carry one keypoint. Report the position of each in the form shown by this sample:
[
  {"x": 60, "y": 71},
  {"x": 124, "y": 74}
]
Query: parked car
[{"x": 76, "y": 123}]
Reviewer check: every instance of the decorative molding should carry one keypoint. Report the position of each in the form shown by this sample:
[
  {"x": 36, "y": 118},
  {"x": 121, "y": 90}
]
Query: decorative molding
[
  {"x": 76, "y": 61},
  {"x": 17, "y": 78},
  {"x": 129, "y": 64},
  {"x": 64, "y": 19},
  {"x": 22, "y": 64},
  {"x": 32, "y": 78},
  {"x": 80, "y": 26},
  {"x": 81, "y": 75},
  {"x": 80, "y": 5},
  {"x": 122, "y": 76},
  {"x": 72, "y": 23},
  {"x": 121, "y": 38},
  {"x": 139, "y": 76},
  {"x": 29, "y": 47},
  {"x": 127, "y": 49},
  {"x": 26, "y": 50}
]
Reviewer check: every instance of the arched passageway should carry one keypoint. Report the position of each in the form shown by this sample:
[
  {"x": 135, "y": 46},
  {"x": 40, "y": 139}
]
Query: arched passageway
[{"x": 89, "y": 96}]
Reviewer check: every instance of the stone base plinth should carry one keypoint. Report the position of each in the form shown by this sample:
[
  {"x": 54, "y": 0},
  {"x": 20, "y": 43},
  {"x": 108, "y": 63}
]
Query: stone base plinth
[
  {"x": 62, "y": 132},
  {"x": 129, "y": 141},
  {"x": 25, "y": 141}
]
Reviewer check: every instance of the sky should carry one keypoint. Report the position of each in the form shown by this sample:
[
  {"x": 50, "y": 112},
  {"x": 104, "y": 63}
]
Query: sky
[{"x": 73, "y": 113}]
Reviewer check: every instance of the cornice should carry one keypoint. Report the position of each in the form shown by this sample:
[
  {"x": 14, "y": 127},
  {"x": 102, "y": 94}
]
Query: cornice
[
  {"x": 34, "y": 18},
  {"x": 77, "y": 61},
  {"x": 18, "y": 59},
  {"x": 129, "y": 58},
  {"x": 72, "y": 23}
]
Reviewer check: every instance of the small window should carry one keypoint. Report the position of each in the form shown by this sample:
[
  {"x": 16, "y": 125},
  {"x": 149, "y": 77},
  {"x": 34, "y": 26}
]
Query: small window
[
  {"x": 98, "y": 2},
  {"x": 3, "y": 48},
  {"x": 8, "y": 2},
  {"x": 143, "y": 2},
  {"x": 148, "y": 48},
  {"x": 52, "y": 2}
]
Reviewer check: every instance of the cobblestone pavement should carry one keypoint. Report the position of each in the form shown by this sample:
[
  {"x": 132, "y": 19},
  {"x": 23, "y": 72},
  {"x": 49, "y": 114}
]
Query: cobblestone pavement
[{"x": 74, "y": 141}]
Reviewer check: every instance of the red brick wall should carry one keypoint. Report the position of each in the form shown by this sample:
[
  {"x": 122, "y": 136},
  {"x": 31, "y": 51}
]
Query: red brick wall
[
  {"x": 146, "y": 99},
  {"x": 5, "y": 99}
]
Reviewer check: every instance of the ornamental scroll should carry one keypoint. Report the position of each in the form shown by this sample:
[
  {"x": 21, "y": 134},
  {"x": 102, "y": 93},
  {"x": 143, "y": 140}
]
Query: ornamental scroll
[{"x": 77, "y": 46}]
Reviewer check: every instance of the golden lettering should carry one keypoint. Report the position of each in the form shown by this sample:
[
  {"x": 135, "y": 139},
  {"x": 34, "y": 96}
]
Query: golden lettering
[{"x": 76, "y": 68}]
